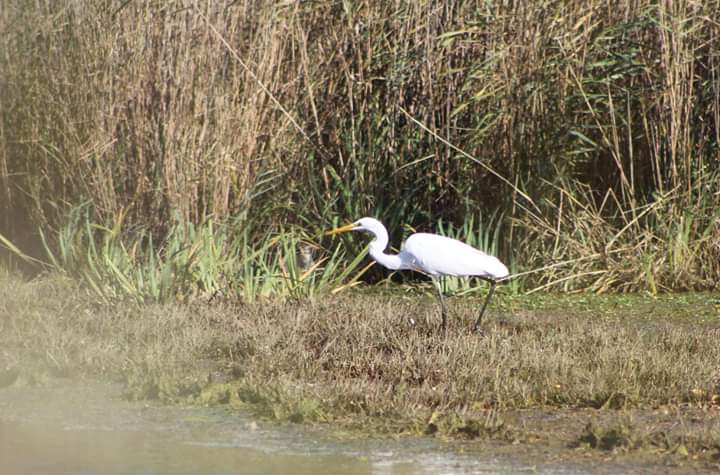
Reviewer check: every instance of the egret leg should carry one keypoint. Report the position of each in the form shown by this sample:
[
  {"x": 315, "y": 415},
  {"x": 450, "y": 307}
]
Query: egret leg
[
  {"x": 487, "y": 300},
  {"x": 443, "y": 307}
]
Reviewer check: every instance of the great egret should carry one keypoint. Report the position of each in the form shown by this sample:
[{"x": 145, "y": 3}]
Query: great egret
[{"x": 433, "y": 255}]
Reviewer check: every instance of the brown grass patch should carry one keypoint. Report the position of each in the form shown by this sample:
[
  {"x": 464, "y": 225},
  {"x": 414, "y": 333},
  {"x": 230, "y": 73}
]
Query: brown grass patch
[
  {"x": 608, "y": 374},
  {"x": 377, "y": 354}
]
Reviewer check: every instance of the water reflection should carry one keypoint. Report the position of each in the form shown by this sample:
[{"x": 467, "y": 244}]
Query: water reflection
[
  {"x": 86, "y": 429},
  {"x": 30, "y": 449}
]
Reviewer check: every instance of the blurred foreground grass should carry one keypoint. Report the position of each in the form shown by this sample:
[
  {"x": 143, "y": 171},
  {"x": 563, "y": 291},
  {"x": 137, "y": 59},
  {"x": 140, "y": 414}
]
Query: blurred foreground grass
[{"x": 625, "y": 373}]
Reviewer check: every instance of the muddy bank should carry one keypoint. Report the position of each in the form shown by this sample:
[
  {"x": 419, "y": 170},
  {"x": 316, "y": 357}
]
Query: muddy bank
[
  {"x": 73, "y": 425},
  {"x": 624, "y": 379}
]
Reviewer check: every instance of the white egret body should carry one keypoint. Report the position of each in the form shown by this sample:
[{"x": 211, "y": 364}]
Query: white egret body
[{"x": 434, "y": 255}]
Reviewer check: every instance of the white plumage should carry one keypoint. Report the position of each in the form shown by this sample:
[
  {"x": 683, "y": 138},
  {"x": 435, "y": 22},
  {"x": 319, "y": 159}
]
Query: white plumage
[
  {"x": 434, "y": 255},
  {"x": 439, "y": 255}
]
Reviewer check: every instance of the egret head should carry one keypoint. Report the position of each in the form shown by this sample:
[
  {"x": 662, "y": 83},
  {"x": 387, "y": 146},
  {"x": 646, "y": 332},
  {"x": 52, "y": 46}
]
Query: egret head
[{"x": 371, "y": 225}]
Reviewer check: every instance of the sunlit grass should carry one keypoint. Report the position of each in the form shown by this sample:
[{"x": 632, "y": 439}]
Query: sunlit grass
[
  {"x": 376, "y": 362},
  {"x": 206, "y": 261}
]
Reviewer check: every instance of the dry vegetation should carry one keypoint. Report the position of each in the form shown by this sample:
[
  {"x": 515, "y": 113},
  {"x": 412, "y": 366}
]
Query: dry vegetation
[
  {"x": 607, "y": 373},
  {"x": 591, "y": 126},
  {"x": 176, "y": 156}
]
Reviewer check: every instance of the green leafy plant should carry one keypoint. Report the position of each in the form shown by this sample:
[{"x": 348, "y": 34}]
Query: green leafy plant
[{"x": 194, "y": 261}]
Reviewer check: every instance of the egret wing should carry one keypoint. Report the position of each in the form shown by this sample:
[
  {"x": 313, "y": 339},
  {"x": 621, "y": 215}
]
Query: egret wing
[{"x": 440, "y": 255}]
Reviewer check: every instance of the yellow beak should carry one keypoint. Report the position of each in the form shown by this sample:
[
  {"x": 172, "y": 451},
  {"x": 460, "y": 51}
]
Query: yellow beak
[{"x": 341, "y": 229}]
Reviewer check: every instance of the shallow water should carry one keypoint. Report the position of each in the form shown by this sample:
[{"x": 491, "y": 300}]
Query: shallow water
[
  {"x": 86, "y": 428},
  {"x": 72, "y": 427}
]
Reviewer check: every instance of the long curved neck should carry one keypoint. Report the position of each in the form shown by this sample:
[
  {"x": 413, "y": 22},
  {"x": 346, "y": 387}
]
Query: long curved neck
[{"x": 377, "y": 251}]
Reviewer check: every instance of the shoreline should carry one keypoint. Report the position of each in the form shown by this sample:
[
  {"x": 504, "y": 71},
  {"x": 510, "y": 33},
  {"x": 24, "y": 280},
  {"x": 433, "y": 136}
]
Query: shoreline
[{"x": 580, "y": 383}]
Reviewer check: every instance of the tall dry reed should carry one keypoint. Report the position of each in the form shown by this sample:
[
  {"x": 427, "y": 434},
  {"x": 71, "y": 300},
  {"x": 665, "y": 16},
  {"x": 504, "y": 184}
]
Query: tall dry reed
[{"x": 175, "y": 110}]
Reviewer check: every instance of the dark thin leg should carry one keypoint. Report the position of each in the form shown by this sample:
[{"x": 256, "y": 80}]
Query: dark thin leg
[
  {"x": 443, "y": 308},
  {"x": 487, "y": 300}
]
